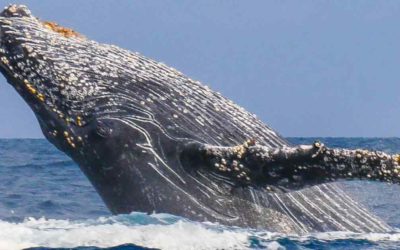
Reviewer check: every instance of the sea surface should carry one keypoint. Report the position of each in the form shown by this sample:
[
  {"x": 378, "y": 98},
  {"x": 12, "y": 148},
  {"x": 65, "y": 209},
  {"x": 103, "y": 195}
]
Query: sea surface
[{"x": 47, "y": 203}]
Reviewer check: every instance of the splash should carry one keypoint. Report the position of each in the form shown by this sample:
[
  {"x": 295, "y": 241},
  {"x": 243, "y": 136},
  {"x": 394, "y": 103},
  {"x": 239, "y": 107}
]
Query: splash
[
  {"x": 155, "y": 231},
  {"x": 165, "y": 231}
]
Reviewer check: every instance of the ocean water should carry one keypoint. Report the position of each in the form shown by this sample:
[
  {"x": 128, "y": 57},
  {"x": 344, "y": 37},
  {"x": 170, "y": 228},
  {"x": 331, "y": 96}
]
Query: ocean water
[{"x": 47, "y": 203}]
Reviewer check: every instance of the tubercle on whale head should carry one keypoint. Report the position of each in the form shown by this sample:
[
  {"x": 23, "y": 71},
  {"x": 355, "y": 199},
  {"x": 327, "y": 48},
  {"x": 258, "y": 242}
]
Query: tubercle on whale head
[{"x": 26, "y": 47}]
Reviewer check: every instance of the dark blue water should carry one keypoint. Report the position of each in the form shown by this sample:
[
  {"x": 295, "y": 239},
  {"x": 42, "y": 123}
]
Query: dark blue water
[{"x": 46, "y": 202}]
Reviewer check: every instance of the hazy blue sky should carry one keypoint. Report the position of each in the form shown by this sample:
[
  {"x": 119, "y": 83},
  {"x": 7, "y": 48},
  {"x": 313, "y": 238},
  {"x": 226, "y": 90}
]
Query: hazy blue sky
[{"x": 307, "y": 68}]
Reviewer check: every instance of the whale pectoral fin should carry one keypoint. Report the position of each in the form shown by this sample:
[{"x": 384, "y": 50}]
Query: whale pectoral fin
[{"x": 293, "y": 167}]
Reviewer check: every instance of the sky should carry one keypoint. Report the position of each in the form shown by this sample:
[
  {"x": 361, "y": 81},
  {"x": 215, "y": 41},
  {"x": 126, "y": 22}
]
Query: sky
[{"x": 306, "y": 68}]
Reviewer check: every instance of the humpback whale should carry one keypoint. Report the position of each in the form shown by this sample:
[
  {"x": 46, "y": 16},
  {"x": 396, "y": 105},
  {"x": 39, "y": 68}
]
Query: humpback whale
[{"x": 151, "y": 139}]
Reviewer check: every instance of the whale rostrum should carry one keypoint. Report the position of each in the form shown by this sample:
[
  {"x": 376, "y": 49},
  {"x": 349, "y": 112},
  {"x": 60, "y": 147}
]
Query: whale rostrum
[{"x": 151, "y": 139}]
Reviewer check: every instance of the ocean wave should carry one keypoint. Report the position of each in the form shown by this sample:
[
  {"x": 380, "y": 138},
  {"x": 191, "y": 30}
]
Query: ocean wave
[
  {"x": 165, "y": 231},
  {"x": 156, "y": 231}
]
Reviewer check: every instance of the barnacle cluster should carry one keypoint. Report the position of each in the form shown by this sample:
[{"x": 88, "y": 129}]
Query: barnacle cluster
[
  {"x": 229, "y": 161},
  {"x": 374, "y": 165}
]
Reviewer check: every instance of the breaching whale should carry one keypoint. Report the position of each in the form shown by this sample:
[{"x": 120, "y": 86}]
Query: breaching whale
[{"x": 151, "y": 139}]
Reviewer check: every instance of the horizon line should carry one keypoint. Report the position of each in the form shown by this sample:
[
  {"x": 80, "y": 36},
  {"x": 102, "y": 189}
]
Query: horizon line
[{"x": 345, "y": 137}]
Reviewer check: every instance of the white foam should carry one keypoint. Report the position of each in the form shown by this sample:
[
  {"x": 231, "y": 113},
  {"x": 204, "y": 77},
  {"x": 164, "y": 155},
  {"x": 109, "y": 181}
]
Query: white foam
[
  {"x": 332, "y": 236},
  {"x": 373, "y": 237},
  {"x": 106, "y": 233},
  {"x": 157, "y": 231}
]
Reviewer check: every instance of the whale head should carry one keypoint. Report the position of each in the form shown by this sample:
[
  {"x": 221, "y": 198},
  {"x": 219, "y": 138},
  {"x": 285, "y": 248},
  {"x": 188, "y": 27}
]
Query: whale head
[
  {"x": 98, "y": 104},
  {"x": 57, "y": 75}
]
